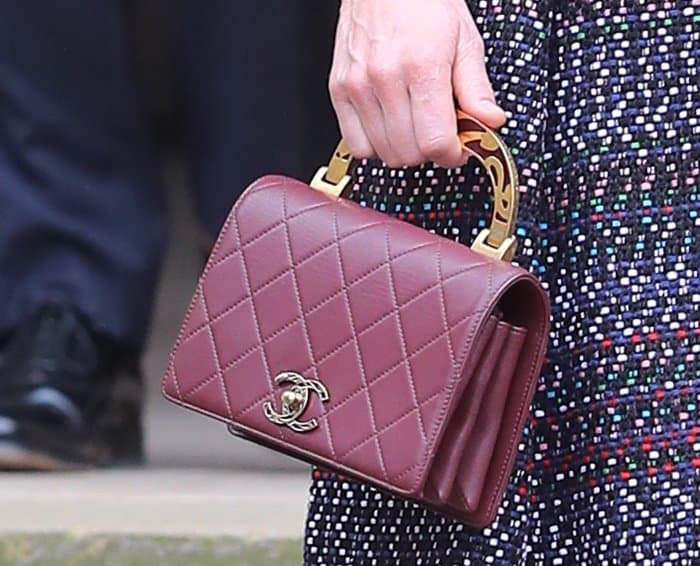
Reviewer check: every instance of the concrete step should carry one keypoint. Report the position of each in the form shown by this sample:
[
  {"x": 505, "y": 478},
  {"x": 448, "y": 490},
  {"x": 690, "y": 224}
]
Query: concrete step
[
  {"x": 127, "y": 550},
  {"x": 157, "y": 501}
]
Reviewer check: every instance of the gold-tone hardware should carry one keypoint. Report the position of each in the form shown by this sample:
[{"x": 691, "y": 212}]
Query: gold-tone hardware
[
  {"x": 340, "y": 163},
  {"x": 494, "y": 156},
  {"x": 334, "y": 179},
  {"x": 335, "y": 190},
  {"x": 506, "y": 251},
  {"x": 492, "y": 153},
  {"x": 294, "y": 401}
]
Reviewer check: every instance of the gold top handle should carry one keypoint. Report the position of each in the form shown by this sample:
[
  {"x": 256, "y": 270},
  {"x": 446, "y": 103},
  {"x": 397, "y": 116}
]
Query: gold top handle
[{"x": 488, "y": 148}]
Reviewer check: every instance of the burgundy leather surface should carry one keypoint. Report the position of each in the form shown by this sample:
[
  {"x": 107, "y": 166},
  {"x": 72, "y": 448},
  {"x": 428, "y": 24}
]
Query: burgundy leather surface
[
  {"x": 474, "y": 464},
  {"x": 429, "y": 351},
  {"x": 447, "y": 462}
]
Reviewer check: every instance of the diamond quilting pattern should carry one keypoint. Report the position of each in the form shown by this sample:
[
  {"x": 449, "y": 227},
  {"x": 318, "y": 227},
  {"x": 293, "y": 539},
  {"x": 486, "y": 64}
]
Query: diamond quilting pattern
[{"x": 294, "y": 283}]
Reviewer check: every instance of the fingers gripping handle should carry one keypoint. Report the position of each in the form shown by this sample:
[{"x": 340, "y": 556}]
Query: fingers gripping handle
[{"x": 479, "y": 142}]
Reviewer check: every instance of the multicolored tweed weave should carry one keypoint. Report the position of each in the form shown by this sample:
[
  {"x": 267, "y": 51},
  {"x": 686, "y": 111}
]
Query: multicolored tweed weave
[{"x": 604, "y": 121}]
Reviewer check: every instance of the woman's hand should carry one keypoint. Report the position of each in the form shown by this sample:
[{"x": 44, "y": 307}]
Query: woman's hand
[{"x": 397, "y": 69}]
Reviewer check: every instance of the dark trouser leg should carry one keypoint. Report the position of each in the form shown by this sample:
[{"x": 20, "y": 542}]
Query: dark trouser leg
[
  {"x": 237, "y": 71},
  {"x": 81, "y": 210}
]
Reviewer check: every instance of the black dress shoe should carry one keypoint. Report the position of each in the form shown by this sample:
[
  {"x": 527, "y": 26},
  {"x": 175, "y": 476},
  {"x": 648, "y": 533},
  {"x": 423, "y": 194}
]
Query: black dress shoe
[{"x": 69, "y": 398}]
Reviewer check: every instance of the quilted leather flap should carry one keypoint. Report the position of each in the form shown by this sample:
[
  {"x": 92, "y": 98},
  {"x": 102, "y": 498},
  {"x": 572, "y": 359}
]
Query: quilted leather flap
[{"x": 378, "y": 314}]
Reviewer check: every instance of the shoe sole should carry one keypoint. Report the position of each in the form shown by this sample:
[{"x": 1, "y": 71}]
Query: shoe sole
[{"x": 18, "y": 458}]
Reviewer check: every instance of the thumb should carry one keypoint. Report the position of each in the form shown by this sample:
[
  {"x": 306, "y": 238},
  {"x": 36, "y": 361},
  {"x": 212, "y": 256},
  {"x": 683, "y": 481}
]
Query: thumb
[{"x": 471, "y": 84}]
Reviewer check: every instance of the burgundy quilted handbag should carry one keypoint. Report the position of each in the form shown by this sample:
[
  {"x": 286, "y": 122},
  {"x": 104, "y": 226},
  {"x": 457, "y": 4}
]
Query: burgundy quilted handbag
[{"x": 364, "y": 344}]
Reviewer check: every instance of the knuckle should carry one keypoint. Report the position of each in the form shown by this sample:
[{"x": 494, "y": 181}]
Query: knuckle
[
  {"x": 355, "y": 83},
  {"x": 476, "y": 44},
  {"x": 337, "y": 91},
  {"x": 341, "y": 88},
  {"x": 382, "y": 72},
  {"x": 472, "y": 38},
  {"x": 419, "y": 64},
  {"x": 335, "y": 83}
]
